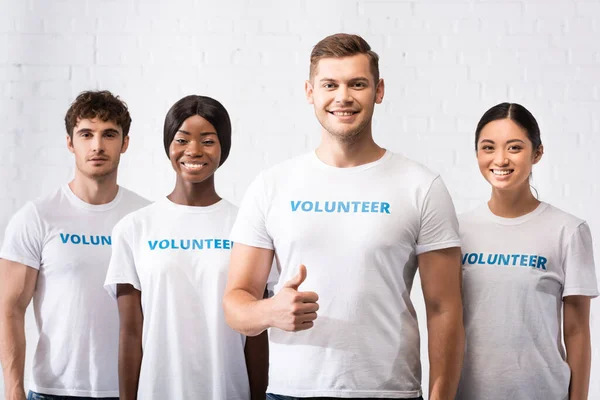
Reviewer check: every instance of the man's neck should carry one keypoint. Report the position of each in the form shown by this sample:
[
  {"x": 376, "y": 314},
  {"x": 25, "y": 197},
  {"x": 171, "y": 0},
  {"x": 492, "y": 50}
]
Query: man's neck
[
  {"x": 95, "y": 191},
  {"x": 341, "y": 154}
]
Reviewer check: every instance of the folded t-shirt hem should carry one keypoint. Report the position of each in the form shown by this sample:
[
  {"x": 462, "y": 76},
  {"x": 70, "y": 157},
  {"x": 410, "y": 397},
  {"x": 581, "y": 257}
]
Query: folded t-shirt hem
[
  {"x": 111, "y": 286},
  {"x": 253, "y": 243},
  {"x": 345, "y": 394},
  {"x": 74, "y": 392},
  {"x": 29, "y": 262},
  {"x": 420, "y": 249},
  {"x": 580, "y": 292}
]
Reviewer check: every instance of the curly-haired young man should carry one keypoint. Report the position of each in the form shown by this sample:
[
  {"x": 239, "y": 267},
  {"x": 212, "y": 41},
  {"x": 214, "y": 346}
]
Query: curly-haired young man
[{"x": 56, "y": 251}]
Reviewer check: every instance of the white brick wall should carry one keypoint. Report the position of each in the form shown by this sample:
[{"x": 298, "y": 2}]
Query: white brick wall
[{"x": 445, "y": 63}]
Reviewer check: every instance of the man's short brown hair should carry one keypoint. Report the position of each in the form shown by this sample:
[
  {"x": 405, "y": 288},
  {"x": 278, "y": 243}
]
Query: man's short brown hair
[
  {"x": 343, "y": 45},
  {"x": 100, "y": 104}
]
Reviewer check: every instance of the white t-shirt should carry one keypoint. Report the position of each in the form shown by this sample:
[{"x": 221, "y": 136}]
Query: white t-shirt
[
  {"x": 69, "y": 242},
  {"x": 358, "y": 231},
  {"x": 178, "y": 257},
  {"x": 515, "y": 273}
]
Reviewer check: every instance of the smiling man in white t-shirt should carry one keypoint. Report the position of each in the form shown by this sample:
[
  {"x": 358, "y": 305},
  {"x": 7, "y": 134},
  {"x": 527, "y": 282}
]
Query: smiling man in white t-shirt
[
  {"x": 348, "y": 226},
  {"x": 56, "y": 250}
]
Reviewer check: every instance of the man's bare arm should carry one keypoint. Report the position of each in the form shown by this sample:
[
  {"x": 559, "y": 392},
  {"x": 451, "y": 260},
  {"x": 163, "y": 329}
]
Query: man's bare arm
[
  {"x": 440, "y": 272},
  {"x": 245, "y": 309},
  {"x": 131, "y": 323},
  {"x": 17, "y": 284}
]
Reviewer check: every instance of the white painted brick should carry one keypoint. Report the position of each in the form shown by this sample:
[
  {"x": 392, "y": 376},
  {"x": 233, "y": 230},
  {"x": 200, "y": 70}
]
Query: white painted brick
[
  {"x": 587, "y": 74},
  {"x": 497, "y": 73},
  {"x": 415, "y": 90},
  {"x": 550, "y": 73},
  {"x": 588, "y": 8},
  {"x": 442, "y": 124},
  {"x": 469, "y": 26},
  {"x": 10, "y": 73},
  {"x": 580, "y": 25},
  {"x": 412, "y": 42},
  {"x": 62, "y": 24},
  {"x": 131, "y": 24},
  {"x": 524, "y": 92},
  {"x": 29, "y": 24},
  {"x": 19, "y": 90},
  {"x": 416, "y": 57},
  {"x": 274, "y": 26},
  {"x": 406, "y": 25},
  {"x": 443, "y": 10},
  {"x": 552, "y": 25},
  {"x": 249, "y": 26},
  {"x": 468, "y": 90},
  {"x": 546, "y": 57},
  {"x": 575, "y": 42},
  {"x": 475, "y": 57},
  {"x": 533, "y": 42},
  {"x": 120, "y": 50},
  {"x": 443, "y": 73},
  {"x": 392, "y": 9},
  {"x": 505, "y": 9},
  {"x": 522, "y": 26},
  {"x": 50, "y": 9},
  {"x": 445, "y": 57},
  {"x": 47, "y": 49},
  {"x": 468, "y": 42},
  {"x": 551, "y": 9},
  {"x": 56, "y": 90},
  {"x": 44, "y": 73},
  {"x": 106, "y": 9},
  {"x": 416, "y": 124},
  {"x": 7, "y": 24},
  {"x": 435, "y": 25},
  {"x": 583, "y": 57},
  {"x": 494, "y": 93},
  {"x": 277, "y": 9}
]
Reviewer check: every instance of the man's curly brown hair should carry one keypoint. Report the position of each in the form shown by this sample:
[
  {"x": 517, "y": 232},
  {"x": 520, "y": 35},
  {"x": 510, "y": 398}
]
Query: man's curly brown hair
[{"x": 100, "y": 104}]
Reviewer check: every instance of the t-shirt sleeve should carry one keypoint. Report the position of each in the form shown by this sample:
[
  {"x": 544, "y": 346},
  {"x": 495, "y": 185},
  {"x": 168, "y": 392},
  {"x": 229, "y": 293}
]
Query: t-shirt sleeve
[
  {"x": 24, "y": 238},
  {"x": 578, "y": 264},
  {"x": 121, "y": 268},
  {"x": 439, "y": 225},
  {"x": 250, "y": 225}
]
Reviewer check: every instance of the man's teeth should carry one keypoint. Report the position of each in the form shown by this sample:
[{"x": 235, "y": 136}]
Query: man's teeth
[
  {"x": 502, "y": 171},
  {"x": 343, "y": 113}
]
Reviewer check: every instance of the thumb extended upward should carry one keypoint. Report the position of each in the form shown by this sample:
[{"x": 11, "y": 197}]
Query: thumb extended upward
[{"x": 297, "y": 280}]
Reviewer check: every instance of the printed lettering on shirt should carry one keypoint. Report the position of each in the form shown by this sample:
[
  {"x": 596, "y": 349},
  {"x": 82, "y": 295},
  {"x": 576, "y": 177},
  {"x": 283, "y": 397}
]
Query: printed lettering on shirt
[
  {"x": 509, "y": 260},
  {"x": 89, "y": 240},
  {"x": 190, "y": 244},
  {"x": 377, "y": 207}
]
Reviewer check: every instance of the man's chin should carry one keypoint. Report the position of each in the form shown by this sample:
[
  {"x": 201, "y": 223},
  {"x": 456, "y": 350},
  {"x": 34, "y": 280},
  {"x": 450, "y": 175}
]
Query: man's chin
[{"x": 99, "y": 174}]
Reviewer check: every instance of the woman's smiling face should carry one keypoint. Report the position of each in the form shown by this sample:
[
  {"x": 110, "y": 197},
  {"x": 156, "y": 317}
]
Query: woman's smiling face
[
  {"x": 195, "y": 151},
  {"x": 505, "y": 154}
]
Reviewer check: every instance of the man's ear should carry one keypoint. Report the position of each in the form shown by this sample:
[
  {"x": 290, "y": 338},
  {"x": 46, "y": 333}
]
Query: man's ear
[
  {"x": 125, "y": 144},
  {"x": 308, "y": 90},
  {"x": 70, "y": 144},
  {"x": 379, "y": 91}
]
